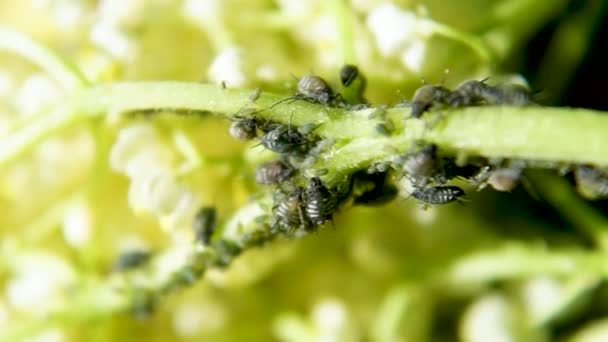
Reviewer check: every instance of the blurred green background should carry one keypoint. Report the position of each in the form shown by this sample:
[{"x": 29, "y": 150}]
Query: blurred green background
[{"x": 83, "y": 197}]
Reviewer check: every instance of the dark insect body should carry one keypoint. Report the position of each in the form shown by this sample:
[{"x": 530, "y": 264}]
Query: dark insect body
[
  {"x": 320, "y": 202},
  {"x": 438, "y": 194},
  {"x": 131, "y": 260},
  {"x": 468, "y": 93},
  {"x": 428, "y": 96},
  {"x": 204, "y": 224},
  {"x": 284, "y": 140},
  {"x": 348, "y": 73},
  {"x": 291, "y": 212},
  {"x": 244, "y": 129},
  {"x": 273, "y": 172}
]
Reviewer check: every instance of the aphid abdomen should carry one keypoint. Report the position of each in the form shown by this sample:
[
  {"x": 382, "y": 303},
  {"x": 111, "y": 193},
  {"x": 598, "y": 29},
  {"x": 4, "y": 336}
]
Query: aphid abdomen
[
  {"x": 426, "y": 97},
  {"x": 273, "y": 172},
  {"x": 244, "y": 129},
  {"x": 591, "y": 182},
  {"x": 320, "y": 202},
  {"x": 131, "y": 260},
  {"x": 438, "y": 194},
  {"x": 315, "y": 88},
  {"x": 504, "y": 179},
  {"x": 508, "y": 94},
  {"x": 290, "y": 213},
  {"x": 204, "y": 224},
  {"x": 468, "y": 93}
]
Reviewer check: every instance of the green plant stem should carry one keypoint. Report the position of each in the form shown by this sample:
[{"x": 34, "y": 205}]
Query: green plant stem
[
  {"x": 66, "y": 74},
  {"x": 534, "y": 133},
  {"x": 517, "y": 261}
]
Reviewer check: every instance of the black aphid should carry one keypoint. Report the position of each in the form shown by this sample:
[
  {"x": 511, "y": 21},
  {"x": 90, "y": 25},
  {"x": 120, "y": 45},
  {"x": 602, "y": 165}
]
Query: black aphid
[
  {"x": 438, "y": 194},
  {"x": 320, "y": 202},
  {"x": 204, "y": 224},
  {"x": 283, "y": 139},
  {"x": 291, "y": 212},
  {"x": 273, "y": 172},
  {"x": 468, "y": 93},
  {"x": 348, "y": 74},
  {"x": 131, "y": 260},
  {"x": 428, "y": 96}
]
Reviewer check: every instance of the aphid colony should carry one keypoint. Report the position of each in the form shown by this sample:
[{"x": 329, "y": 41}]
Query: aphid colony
[
  {"x": 469, "y": 93},
  {"x": 304, "y": 203}
]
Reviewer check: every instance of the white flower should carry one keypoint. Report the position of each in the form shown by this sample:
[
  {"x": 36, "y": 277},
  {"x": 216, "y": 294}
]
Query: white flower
[
  {"x": 400, "y": 33},
  {"x": 228, "y": 67}
]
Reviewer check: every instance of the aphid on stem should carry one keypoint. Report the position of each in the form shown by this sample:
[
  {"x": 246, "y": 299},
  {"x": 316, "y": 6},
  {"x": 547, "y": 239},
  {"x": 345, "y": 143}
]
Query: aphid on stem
[
  {"x": 290, "y": 213},
  {"x": 427, "y": 97},
  {"x": 204, "y": 224},
  {"x": 320, "y": 202},
  {"x": 438, "y": 195},
  {"x": 274, "y": 172}
]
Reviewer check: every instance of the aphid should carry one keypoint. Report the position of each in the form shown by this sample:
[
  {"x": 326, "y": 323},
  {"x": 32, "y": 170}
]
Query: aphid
[
  {"x": 348, "y": 73},
  {"x": 273, "y": 172},
  {"x": 471, "y": 92},
  {"x": 508, "y": 94},
  {"x": 291, "y": 212},
  {"x": 505, "y": 179},
  {"x": 423, "y": 166},
  {"x": 353, "y": 85},
  {"x": 314, "y": 88},
  {"x": 320, "y": 202},
  {"x": 131, "y": 260},
  {"x": 501, "y": 179},
  {"x": 284, "y": 140},
  {"x": 591, "y": 182},
  {"x": 438, "y": 194},
  {"x": 244, "y": 129},
  {"x": 426, "y": 97},
  {"x": 204, "y": 224}
]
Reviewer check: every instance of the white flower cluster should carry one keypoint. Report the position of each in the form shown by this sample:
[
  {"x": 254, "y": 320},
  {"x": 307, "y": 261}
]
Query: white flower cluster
[{"x": 141, "y": 155}]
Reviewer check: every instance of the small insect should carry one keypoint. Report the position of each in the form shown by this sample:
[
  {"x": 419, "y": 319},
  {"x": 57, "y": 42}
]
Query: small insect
[
  {"x": 283, "y": 139},
  {"x": 422, "y": 167},
  {"x": 131, "y": 260},
  {"x": 467, "y": 93},
  {"x": 273, "y": 172},
  {"x": 591, "y": 182},
  {"x": 291, "y": 212},
  {"x": 500, "y": 179},
  {"x": 438, "y": 194},
  {"x": 353, "y": 85},
  {"x": 311, "y": 88},
  {"x": 426, "y": 97},
  {"x": 508, "y": 94},
  {"x": 204, "y": 224},
  {"x": 245, "y": 127},
  {"x": 320, "y": 202}
]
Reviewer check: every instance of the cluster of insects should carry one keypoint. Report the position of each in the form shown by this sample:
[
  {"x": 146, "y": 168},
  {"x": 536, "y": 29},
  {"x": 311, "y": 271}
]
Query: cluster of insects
[{"x": 469, "y": 93}]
